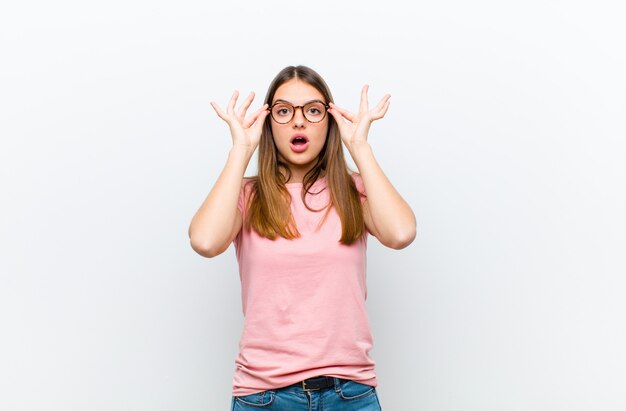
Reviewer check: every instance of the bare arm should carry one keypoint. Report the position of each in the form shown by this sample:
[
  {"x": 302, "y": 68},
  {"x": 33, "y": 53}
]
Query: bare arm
[
  {"x": 387, "y": 216},
  {"x": 218, "y": 220}
]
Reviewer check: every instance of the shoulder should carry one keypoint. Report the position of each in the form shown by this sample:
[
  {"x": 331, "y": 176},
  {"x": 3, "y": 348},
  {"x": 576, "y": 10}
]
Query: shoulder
[
  {"x": 247, "y": 183},
  {"x": 357, "y": 178},
  {"x": 358, "y": 181}
]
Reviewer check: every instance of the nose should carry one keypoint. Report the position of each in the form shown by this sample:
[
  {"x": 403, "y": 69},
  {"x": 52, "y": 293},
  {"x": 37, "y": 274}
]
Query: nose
[{"x": 298, "y": 117}]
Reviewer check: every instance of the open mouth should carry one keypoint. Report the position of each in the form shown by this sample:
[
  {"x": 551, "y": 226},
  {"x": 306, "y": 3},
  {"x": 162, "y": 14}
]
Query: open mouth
[
  {"x": 299, "y": 140},
  {"x": 299, "y": 143}
]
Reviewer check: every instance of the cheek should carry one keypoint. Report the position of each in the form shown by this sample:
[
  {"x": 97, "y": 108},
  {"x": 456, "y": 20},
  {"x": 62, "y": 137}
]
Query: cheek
[
  {"x": 278, "y": 134},
  {"x": 323, "y": 134}
]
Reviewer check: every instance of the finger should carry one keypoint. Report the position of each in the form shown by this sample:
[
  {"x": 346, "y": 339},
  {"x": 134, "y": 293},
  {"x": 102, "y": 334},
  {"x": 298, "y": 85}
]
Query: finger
[
  {"x": 342, "y": 124},
  {"x": 246, "y": 104},
  {"x": 260, "y": 119},
  {"x": 231, "y": 104},
  {"x": 383, "y": 110},
  {"x": 336, "y": 115},
  {"x": 364, "y": 106},
  {"x": 218, "y": 110},
  {"x": 348, "y": 115},
  {"x": 381, "y": 104},
  {"x": 254, "y": 116}
]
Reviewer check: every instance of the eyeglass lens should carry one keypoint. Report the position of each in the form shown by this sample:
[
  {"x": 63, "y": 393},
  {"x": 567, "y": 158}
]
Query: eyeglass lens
[{"x": 313, "y": 112}]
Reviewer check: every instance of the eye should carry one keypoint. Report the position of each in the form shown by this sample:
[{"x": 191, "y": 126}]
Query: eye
[{"x": 282, "y": 110}]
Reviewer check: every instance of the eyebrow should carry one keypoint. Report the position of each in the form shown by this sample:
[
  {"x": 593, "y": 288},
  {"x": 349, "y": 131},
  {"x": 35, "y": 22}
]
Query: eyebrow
[{"x": 311, "y": 101}]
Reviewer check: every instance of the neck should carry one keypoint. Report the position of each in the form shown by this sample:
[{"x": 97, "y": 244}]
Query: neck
[{"x": 297, "y": 175}]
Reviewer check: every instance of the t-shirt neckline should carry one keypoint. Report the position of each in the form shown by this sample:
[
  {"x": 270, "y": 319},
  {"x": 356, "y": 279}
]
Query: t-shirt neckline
[{"x": 299, "y": 184}]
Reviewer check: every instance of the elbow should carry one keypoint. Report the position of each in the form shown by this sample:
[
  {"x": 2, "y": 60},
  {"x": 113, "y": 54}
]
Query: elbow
[
  {"x": 402, "y": 239},
  {"x": 206, "y": 250}
]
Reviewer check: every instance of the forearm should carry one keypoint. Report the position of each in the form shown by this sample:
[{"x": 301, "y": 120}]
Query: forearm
[
  {"x": 392, "y": 216},
  {"x": 212, "y": 226}
]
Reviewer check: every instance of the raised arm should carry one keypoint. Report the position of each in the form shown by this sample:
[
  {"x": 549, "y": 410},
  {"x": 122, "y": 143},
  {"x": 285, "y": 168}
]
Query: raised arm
[
  {"x": 218, "y": 220},
  {"x": 387, "y": 215}
]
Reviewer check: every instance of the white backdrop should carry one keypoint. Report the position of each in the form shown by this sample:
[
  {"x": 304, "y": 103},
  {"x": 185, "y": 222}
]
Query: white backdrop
[{"x": 506, "y": 134}]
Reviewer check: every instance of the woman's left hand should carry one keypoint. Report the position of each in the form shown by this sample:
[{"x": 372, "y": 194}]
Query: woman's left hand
[{"x": 355, "y": 127}]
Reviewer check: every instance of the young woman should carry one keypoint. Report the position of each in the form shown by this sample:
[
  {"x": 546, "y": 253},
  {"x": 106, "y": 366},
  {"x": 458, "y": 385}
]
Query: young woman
[{"x": 300, "y": 229}]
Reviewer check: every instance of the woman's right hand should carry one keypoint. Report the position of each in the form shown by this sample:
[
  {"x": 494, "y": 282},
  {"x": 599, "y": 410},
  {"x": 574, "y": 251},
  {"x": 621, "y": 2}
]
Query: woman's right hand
[{"x": 246, "y": 131}]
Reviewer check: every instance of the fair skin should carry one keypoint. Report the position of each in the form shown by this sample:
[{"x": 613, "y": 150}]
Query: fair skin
[
  {"x": 387, "y": 216},
  {"x": 298, "y": 93}
]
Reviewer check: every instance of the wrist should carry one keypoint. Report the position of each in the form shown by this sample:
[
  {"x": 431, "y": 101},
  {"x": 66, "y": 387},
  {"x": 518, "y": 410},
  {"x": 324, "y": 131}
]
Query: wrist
[
  {"x": 242, "y": 150},
  {"x": 358, "y": 148}
]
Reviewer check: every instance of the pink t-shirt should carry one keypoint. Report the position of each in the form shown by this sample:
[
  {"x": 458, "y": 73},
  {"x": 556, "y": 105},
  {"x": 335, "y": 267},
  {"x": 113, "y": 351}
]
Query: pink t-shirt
[{"x": 303, "y": 301}]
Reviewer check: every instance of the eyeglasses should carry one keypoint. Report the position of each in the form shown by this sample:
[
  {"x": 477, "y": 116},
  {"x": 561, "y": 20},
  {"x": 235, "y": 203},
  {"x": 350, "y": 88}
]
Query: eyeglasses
[{"x": 314, "y": 111}]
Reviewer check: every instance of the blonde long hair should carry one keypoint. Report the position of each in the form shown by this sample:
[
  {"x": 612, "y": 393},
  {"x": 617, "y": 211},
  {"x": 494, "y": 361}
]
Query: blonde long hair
[{"x": 269, "y": 212}]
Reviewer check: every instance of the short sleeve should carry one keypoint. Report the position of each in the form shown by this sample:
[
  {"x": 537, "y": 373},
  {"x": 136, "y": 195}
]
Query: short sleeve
[
  {"x": 244, "y": 194},
  {"x": 241, "y": 201},
  {"x": 358, "y": 181}
]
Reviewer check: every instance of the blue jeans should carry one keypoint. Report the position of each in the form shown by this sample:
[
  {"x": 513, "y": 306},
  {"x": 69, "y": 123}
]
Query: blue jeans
[{"x": 346, "y": 395}]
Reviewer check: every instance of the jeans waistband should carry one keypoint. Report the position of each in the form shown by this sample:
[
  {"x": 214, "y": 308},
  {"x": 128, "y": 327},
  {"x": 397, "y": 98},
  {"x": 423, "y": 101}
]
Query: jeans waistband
[{"x": 315, "y": 383}]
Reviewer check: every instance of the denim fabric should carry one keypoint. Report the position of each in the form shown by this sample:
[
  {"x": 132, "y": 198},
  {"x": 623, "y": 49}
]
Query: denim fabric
[{"x": 345, "y": 395}]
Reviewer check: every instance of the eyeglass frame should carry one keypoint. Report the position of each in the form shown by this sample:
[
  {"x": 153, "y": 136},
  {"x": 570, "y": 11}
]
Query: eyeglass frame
[{"x": 301, "y": 107}]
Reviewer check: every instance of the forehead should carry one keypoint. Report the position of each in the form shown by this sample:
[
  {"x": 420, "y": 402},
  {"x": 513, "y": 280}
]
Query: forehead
[{"x": 297, "y": 92}]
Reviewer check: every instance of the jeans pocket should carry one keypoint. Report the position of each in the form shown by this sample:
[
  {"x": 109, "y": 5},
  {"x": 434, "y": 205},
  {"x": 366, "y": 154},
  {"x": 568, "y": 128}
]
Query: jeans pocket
[
  {"x": 351, "y": 390},
  {"x": 258, "y": 400}
]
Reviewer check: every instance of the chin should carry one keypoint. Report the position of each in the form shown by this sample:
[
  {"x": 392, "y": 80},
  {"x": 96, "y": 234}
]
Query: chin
[{"x": 300, "y": 159}]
